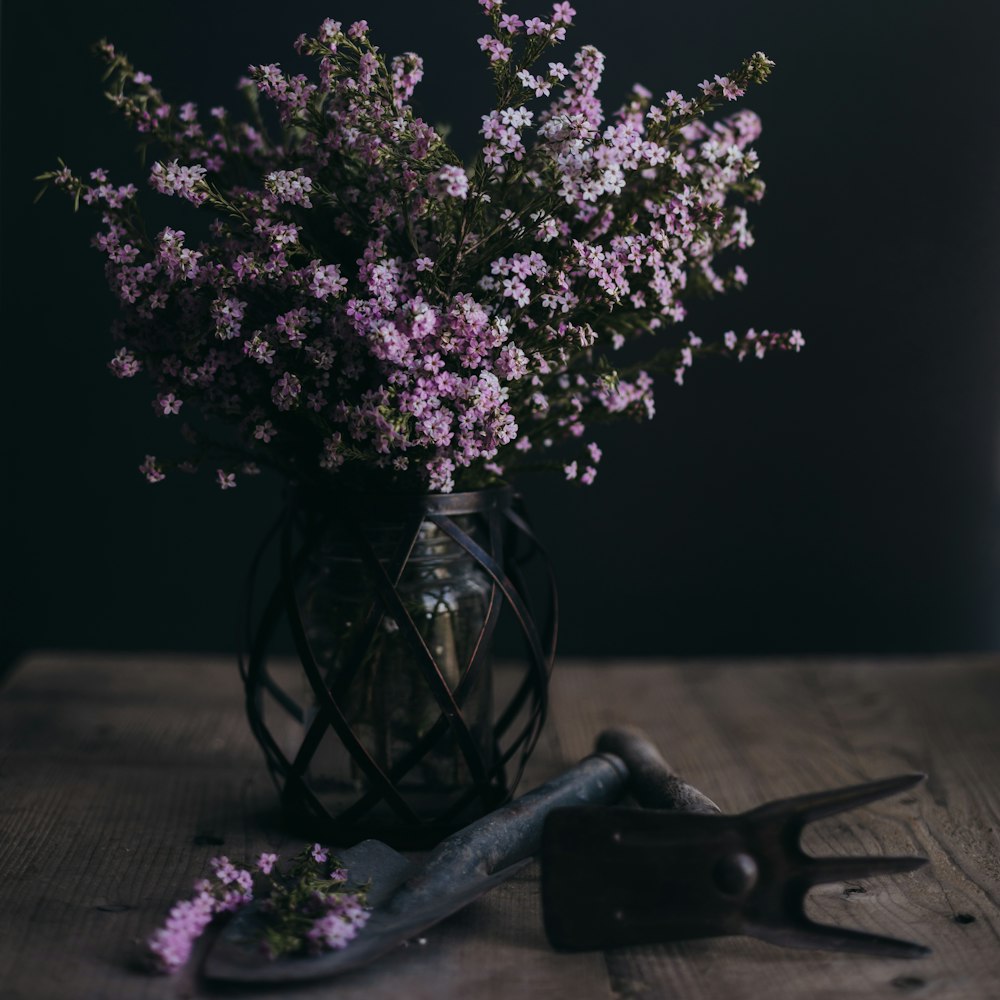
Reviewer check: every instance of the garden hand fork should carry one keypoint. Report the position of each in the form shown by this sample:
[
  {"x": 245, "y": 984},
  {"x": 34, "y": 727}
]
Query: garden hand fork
[{"x": 620, "y": 876}]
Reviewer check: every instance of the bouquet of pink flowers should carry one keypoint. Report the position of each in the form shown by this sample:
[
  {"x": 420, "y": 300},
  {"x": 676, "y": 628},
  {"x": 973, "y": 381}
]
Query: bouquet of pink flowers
[{"x": 363, "y": 307}]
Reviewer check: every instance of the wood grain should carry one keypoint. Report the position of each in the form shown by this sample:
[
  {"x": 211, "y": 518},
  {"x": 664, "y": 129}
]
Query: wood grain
[{"x": 120, "y": 775}]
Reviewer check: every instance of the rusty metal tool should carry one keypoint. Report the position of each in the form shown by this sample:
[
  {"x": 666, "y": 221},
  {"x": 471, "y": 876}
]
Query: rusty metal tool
[
  {"x": 408, "y": 898},
  {"x": 621, "y": 876}
]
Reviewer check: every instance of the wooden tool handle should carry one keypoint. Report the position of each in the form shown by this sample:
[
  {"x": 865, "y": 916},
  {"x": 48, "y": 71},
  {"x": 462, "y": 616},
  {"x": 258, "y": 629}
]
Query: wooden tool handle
[{"x": 651, "y": 782}]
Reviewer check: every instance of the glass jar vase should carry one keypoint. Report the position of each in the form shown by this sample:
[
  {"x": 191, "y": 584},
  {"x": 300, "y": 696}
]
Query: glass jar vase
[
  {"x": 373, "y": 674},
  {"x": 393, "y": 728}
]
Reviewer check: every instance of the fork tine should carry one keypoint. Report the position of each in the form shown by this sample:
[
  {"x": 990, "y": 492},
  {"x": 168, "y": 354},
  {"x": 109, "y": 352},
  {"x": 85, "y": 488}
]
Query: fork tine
[
  {"x": 807, "y": 934},
  {"x": 806, "y": 808},
  {"x": 819, "y": 871}
]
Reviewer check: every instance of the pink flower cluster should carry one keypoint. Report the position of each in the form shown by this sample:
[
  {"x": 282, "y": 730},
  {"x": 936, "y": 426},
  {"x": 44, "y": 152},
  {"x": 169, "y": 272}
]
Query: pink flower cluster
[
  {"x": 368, "y": 309},
  {"x": 308, "y": 908},
  {"x": 229, "y": 889},
  {"x": 341, "y": 918}
]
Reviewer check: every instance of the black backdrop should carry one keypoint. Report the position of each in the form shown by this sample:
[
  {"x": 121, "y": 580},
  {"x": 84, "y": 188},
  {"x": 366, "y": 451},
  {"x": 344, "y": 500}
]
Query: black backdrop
[{"x": 841, "y": 500}]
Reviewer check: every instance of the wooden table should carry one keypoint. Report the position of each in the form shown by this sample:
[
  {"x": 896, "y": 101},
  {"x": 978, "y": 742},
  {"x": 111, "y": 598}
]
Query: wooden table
[{"x": 120, "y": 774}]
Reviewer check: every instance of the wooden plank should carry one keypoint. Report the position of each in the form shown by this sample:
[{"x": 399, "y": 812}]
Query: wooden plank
[
  {"x": 113, "y": 772},
  {"x": 747, "y": 733},
  {"x": 112, "y": 767}
]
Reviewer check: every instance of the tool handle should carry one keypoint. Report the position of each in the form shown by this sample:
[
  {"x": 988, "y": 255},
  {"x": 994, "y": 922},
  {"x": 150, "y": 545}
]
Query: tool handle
[
  {"x": 626, "y": 761},
  {"x": 651, "y": 782},
  {"x": 514, "y": 832}
]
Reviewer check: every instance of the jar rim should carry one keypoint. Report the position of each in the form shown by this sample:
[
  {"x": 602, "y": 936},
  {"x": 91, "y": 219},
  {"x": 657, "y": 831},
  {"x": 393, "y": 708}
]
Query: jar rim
[{"x": 499, "y": 497}]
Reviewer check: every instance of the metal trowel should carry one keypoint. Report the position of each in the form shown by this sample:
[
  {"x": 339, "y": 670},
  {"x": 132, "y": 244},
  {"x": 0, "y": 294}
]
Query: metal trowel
[{"x": 407, "y": 898}]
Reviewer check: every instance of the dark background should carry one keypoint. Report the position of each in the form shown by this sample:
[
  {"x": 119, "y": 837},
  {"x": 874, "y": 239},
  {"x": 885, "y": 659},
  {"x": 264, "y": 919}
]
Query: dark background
[{"x": 841, "y": 500}]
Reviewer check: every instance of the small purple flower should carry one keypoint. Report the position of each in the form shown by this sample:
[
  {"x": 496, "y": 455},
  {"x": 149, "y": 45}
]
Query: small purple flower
[
  {"x": 539, "y": 84},
  {"x": 318, "y": 854},
  {"x": 730, "y": 90},
  {"x": 151, "y": 469},
  {"x": 562, "y": 13},
  {"x": 125, "y": 364},
  {"x": 331, "y": 933},
  {"x": 223, "y": 869},
  {"x": 175, "y": 179},
  {"x": 170, "y": 946},
  {"x": 451, "y": 181},
  {"x": 286, "y": 390},
  {"x": 326, "y": 280},
  {"x": 264, "y": 432},
  {"x": 259, "y": 349},
  {"x": 332, "y": 456},
  {"x": 497, "y": 50},
  {"x": 510, "y": 23},
  {"x": 329, "y": 30},
  {"x": 244, "y": 879},
  {"x": 167, "y": 403},
  {"x": 290, "y": 186}
]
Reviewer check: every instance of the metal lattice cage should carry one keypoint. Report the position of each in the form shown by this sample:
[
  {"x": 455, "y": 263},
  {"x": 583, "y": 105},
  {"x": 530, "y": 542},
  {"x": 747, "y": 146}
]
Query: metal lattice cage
[{"x": 387, "y": 727}]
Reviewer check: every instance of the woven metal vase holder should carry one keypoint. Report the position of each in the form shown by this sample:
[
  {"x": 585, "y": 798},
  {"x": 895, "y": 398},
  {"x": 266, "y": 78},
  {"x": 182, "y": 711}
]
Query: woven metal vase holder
[{"x": 504, "y": 548}]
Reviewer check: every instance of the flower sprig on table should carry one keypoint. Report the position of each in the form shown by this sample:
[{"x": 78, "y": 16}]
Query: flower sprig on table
[
  {"x": 308, "y": 909},
  {"x": 366, "y": 308}
]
